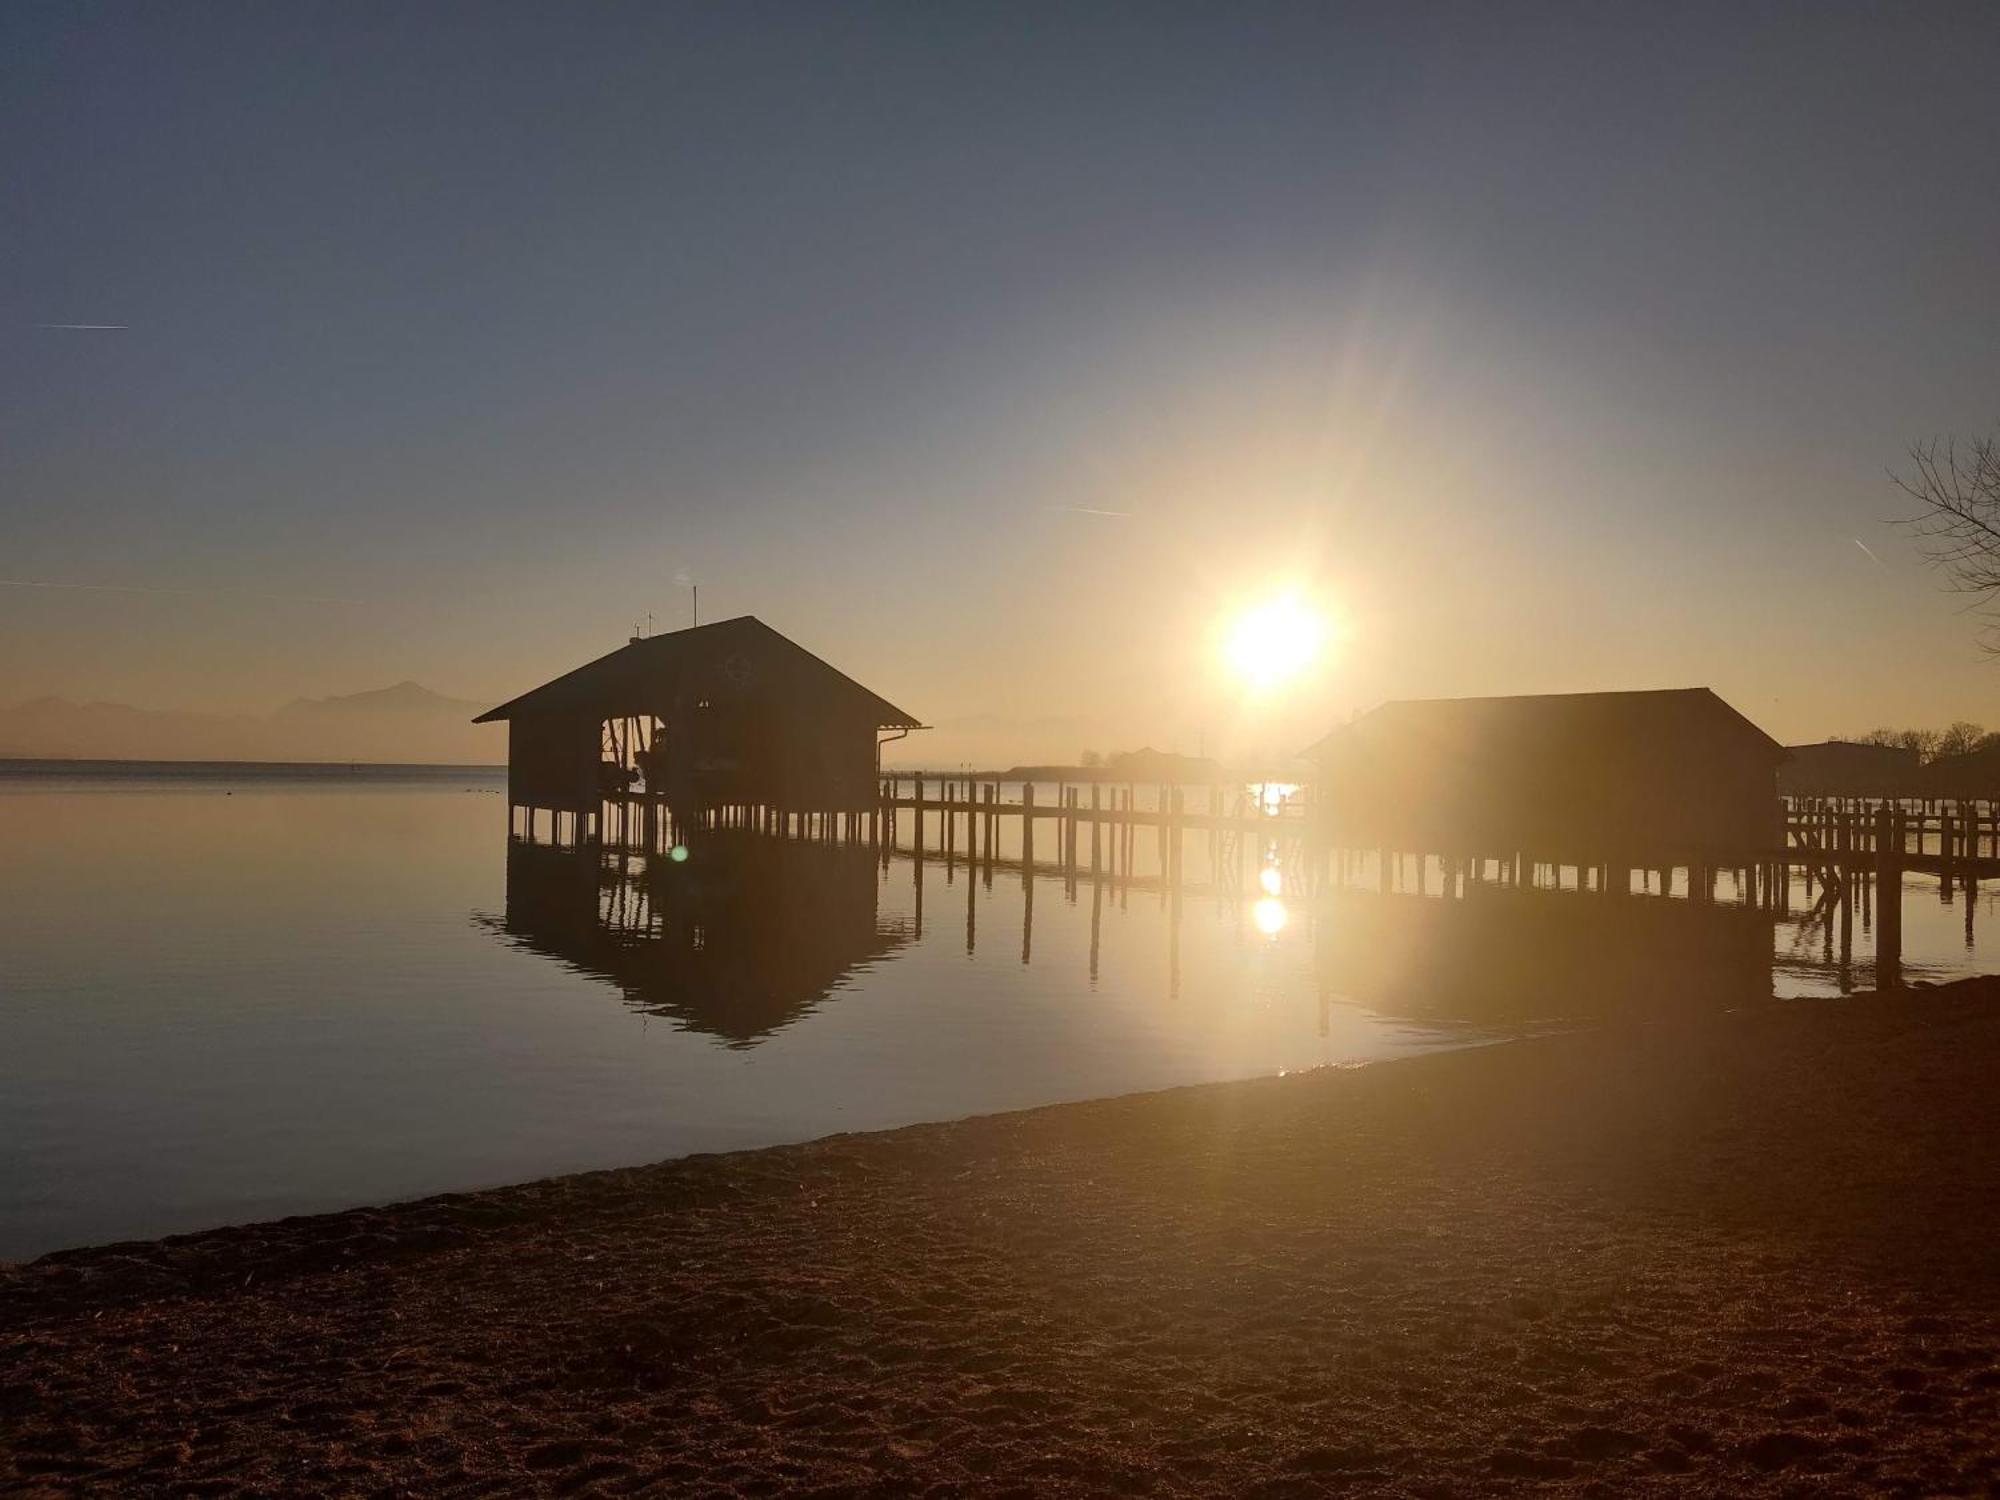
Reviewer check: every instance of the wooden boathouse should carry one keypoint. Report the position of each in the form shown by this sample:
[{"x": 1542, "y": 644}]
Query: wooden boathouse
[
  {"x": 1845, "y": 768},
  {"x": 1975, "y": 774},
  {"x": 723, "y": 723},
  {"x": 1570, "y": 775}
]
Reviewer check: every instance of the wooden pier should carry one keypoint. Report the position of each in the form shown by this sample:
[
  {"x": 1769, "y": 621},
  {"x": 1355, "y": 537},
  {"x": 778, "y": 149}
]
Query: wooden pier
[{"x": 1135, "y": 836}]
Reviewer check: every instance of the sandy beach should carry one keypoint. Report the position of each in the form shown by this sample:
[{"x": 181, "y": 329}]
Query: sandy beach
[{"x": 1752, "y": 1254}]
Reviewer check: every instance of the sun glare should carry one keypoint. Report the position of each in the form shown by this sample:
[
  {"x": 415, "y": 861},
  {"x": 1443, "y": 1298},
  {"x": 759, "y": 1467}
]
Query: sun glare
[{"x": 1274, "y": 642}]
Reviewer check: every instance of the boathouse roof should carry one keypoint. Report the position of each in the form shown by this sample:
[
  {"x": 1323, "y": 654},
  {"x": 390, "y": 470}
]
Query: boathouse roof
[
  {"x": 1542, "y": 722},
  {"x": 743, "y": 653},
  {"x": 1846, "y": 768},
  {"x": 1856, "y": 752}
]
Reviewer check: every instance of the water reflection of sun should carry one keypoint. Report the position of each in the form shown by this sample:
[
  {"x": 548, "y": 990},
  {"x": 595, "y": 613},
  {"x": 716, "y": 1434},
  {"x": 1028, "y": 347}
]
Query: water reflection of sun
[{"x": 1269, "y": 914}]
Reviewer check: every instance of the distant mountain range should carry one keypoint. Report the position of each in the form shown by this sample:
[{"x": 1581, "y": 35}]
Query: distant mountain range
[
  {"x": 405, "y": 723},
  {"x": 412, "y": 725}
]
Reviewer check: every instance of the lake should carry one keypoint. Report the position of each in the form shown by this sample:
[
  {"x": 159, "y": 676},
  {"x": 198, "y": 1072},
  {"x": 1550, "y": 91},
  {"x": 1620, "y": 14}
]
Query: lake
[{"x": 232, "y": 993}]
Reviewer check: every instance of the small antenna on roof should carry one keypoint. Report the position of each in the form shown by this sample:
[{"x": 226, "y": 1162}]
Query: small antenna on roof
[{"x": 697, "y": 602}]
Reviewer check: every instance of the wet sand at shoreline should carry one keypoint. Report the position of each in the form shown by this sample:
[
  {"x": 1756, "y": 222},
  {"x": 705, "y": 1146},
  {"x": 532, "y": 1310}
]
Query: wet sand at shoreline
[{"x": 1754, "y": 1253}]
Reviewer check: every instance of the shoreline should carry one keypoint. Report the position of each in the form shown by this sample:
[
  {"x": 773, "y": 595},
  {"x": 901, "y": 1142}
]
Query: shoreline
[
  {"x": 1739, "y": 1253},
  {"x": 496, "y": 1200}
]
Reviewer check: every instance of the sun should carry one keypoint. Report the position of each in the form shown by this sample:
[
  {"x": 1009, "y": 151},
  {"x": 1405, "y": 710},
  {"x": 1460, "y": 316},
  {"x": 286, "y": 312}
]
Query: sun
[{"x": 1274, "y": 642}]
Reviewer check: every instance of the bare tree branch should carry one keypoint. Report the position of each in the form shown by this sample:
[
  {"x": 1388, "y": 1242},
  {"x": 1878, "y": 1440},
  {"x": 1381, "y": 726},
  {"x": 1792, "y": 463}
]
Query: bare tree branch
[{"x": 1957, "y": 489}]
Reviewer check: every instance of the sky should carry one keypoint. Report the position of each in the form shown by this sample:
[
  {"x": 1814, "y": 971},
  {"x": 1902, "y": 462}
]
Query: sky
[{"x": 997, "y": 353}]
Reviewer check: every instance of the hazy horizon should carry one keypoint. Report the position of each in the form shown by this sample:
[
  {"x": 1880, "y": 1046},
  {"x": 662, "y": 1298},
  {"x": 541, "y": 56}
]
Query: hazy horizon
[
  {"x": 996, "y": 357},
  {"x": 410, "y": 723}
]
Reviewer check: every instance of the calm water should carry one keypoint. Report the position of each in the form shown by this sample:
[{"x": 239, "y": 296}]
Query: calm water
[{"x": 230, "y": 993}]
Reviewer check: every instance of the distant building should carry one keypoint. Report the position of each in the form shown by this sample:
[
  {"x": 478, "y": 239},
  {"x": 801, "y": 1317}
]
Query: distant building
[
  {"x": 1574, "y": 775},
  {"x": 726, "y": 714},
  {"x": 1170, "y": 767},
  {"x": 1148, "y": 766},
  {"x": 1974, "y": 774},
  {"x": 1842, "y": 768}
]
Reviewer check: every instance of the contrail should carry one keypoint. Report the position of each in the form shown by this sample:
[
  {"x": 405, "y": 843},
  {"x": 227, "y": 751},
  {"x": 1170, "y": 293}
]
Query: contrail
[
  {"x": 147, "y": 588},
  {"x": 1868, "y": 549},
  {"x": 1085, "y": 510},
  {"x": 86, "y": 327}
]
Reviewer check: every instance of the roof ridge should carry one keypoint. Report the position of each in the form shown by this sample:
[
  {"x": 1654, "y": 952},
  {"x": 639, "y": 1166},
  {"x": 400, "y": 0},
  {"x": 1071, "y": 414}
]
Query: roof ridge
[
  {"x": 1400, "y": 709},
  {"x": 650, "y": 646},
  {"x": 1574, "y": 693}
]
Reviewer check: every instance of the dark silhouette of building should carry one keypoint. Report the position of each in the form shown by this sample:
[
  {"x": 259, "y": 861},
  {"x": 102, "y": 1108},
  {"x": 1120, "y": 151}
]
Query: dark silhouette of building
[
  {"x": 1149, "y": 766},
  {"x": 1843, "y": 768},
  {"x": 729, "y": 714},
  {"x": 1577, "y": 774},
  {"x": 1974, "y": 774},
  {"x": 742, "y": 938}
]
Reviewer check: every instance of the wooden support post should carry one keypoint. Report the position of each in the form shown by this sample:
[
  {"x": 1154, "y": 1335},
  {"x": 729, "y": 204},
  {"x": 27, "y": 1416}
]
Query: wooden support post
[
  {"x": 971, "y": 871},
  {"x": 1846, "y": 920},
  {"x": 1069, "y": 837},
  {"x": 1096, "y": 830},
  {"x": 1213, "y": 807},
  {"x": 1027, "y": 832},
  {"x": 1096, "y": 909},
  {"x": 990, "y": 840},
  {"x": 1131, "y": 833},
  {"x": 1027, "y": 870},
  {"x": 1889, "y": 913}
]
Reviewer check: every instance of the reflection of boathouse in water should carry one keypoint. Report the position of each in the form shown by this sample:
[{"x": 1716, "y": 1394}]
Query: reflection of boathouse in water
[
  {"x": 1501, "y": 954},
  {"x": 739, "y": 940}
]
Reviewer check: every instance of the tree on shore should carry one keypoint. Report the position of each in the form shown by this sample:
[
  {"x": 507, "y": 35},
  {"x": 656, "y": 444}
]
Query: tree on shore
[
  {"x": 1933, "y": 744},
  {"x": 1957, "y": 489}
]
